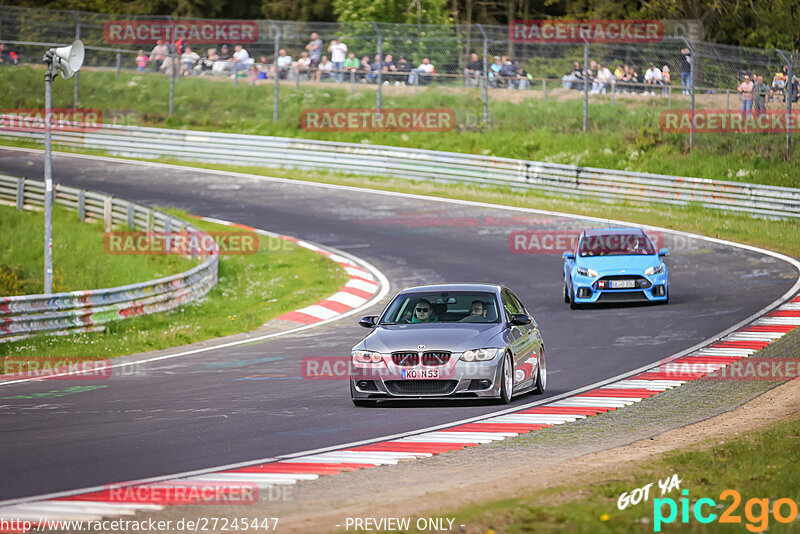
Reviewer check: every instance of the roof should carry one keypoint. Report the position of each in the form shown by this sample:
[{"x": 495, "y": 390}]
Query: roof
[
  {"x": 463, "y": 286},
  {"x": 613, "y": 231}
]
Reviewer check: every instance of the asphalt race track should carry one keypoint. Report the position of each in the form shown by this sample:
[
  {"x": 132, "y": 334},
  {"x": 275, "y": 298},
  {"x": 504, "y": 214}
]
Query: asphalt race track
[{"x": 250, "y": 402}]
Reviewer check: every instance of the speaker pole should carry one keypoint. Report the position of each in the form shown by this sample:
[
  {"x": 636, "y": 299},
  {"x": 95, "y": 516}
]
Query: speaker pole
[{"x": 48, "y": 176}]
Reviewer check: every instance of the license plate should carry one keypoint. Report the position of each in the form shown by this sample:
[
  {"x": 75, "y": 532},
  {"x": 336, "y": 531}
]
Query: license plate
[
  {"x": 420, "y": 374},
  {"x": 623, "y": 284}
]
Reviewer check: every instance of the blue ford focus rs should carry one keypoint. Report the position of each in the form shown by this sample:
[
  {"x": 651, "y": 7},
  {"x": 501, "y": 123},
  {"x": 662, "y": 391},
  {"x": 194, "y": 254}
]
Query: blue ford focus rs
[{"x": 614, "y": 265}]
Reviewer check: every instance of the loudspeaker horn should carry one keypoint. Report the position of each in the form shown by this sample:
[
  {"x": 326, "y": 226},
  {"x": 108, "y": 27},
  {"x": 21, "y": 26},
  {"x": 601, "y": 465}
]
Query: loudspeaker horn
[{"x": 69, "y": 59}]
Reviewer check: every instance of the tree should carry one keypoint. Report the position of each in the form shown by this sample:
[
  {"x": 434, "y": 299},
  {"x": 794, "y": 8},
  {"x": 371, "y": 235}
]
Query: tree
[{"x": 403, "y": 11}]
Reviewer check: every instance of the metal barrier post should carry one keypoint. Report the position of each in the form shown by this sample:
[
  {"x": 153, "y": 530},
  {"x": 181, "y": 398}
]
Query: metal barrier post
[
  {"x": 379, "y": 102},
  {"x": 277, "y": 72},
  {"x": 119, "y": 63},
  {"x": 20, "y": 194},
  {"x": 789, "y": 97},
  {"x": 485, "y": 86},
  {"x": 108, "y": 212},
  {"x": 131, "y": 219},
  {"x": 544, "y": 90},
  {"x": 77, "y": 74},
  {"x": 81, "y": 205},
  {"x": 669, "y": 97},
  {"x": 296, "y": 78},
  {"x": 172, "y": 87},
  {"x": 585, "y": 85},
  {"x": 727, "y": 100},
  {"x": 235, "y": 73},
  {"x": 613, "y": 90},
  {"x": 48, "y": 180},
  {"x": 352, "y": 81}
]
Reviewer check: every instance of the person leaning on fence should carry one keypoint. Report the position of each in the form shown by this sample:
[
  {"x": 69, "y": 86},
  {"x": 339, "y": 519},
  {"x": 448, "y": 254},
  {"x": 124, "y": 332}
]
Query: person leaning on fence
[
  {"x": 779, "y": 83},
  {"x": 351, "y": 64},
  {"x": 259, "y": 71},
  {"x": 325, "y": 68},
  {"x": 494, "y": 71},
  {"x": 159, "y": 54},
  {"x": 474, "y": 71},
  {"x": 746, "y": 94},
  {"x": 573, "y": 78},
  {"x": 241, "y": 60},
  {"x": 374, "y": 69},
  {"x": 223, "y": 61},
  {"x": 760, "y": 92},
  {"x": 425, "y": 68},
  {"x": 652, "y": 77},
  {"x": 666, "y": 79},
  {"x": 301, "y": 67},
  {"x": 284, "y": 65},
  {"x": 521, "y": 79},
  {"x": 189, "y": 59},
  {"x": 338, "y": 51},
  {"x": 602, "y": 81}
]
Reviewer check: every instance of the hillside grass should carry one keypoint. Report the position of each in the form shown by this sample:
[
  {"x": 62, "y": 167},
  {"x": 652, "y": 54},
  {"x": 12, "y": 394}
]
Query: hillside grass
[{"x": 623, "y": 136}]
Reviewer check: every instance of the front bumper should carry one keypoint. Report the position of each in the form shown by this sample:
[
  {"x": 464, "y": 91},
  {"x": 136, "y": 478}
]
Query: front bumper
[
  {"x": 591, "y": 290},
  {"x": 456, "y": 379}
]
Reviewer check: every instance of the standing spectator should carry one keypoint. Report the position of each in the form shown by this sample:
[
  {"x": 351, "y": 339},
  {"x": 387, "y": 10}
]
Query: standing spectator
[
  {"x": 188, "y": 60},
  {"x": 779, "y": 83},
  {"x": 686, "y": 71},
  {"x": 571, "y": 79},
  {"x": 760, "y": 92},
  {"x": 426, "y": 67},
  {"x": 284, "y": 64},
  {"x": 652, "y": 76},
  {"x": 159, "y": 54},
  {"x": 474, "y": 71},
  {"x": 141, "y": 60},
  {"x": 314, "y": 48},
  {"x": 241, "y": 60},
  {"x": 338, "y": 52},
  {"x": 746, "y": 94}
]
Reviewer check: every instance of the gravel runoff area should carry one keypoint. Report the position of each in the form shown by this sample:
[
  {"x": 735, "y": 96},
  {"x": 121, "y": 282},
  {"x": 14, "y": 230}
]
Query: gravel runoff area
[{"x": 580, "y": 452}]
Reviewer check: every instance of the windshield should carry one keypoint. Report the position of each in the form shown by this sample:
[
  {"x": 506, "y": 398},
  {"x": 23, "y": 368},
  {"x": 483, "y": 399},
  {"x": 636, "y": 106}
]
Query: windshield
[
  {"x": 447, "y": 307},
  {"x": 615, "y": 245}
]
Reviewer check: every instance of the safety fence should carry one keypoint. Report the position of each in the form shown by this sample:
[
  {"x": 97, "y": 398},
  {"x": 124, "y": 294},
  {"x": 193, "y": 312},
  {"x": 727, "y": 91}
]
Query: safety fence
[
  {"x": 472, "y": 57},
  {"x": 387, "y": 161},
  {"x": 90, "y": 310}
]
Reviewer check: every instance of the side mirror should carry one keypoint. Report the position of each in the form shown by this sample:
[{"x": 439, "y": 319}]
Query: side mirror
[
  {"x": 663, "y": 252},
  {"x": 519, "y": 319},
  {"x": 568, "y": 255},
  {"x": 368, "y": 321}
]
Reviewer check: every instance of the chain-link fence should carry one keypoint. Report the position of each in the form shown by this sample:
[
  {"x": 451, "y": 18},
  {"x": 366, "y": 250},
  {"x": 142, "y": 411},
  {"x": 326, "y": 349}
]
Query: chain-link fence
[{"x": 482, "y": 62}]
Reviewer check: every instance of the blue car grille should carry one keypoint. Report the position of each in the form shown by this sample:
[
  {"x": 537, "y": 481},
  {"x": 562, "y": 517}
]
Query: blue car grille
[{"x": 604, "y": 283}]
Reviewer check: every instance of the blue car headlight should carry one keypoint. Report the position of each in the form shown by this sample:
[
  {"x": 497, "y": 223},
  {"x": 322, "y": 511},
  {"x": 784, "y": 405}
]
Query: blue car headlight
[
  {"x": 654, "y": 270},
  {"x": 480, "y": 355},
  {"x": 584, "y": 271}
]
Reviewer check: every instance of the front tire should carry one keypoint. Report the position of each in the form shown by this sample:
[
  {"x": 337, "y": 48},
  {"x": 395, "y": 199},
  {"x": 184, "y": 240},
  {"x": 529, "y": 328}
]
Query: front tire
[
  {"x": 572, "y": 304},
  {"x": 507, "y": 380},
  {"x": 541, "y": 375},
  {"x": 566, "y": 291}
]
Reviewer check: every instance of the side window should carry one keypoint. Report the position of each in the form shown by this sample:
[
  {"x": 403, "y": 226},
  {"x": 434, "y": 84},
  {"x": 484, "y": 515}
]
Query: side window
[
  {"x": 520, "y": 307},
  {"x": 509, "y": 303}
]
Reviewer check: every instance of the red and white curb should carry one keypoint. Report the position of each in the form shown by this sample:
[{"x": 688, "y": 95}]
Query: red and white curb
[
  {"x": 291, "y": 469},
  {"x": 361, "y": 287}
]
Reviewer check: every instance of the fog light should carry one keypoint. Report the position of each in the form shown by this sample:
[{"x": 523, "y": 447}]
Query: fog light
[
  {"x": 659, "y": 291},
  {"x": 485, "y": 384},
  {"x": 584, "y": 292}
]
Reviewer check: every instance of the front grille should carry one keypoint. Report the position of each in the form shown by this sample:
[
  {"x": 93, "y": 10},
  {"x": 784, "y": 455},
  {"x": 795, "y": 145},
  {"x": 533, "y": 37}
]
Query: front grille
[
  {"x": 405, "y": 359},
  {"x": 435, "y": 358},
  {"x": 421, "y": 387},
  {"x": 621, "y": 296}
]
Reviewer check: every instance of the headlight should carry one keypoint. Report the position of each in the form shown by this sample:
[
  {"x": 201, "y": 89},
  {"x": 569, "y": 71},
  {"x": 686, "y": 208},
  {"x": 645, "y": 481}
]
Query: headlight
[
  {"x": 591, "y": 273},
  {"x": 365, "y": 356},
  {"x": 480, "y": 355},
  {"x": 654, "y": 270}
]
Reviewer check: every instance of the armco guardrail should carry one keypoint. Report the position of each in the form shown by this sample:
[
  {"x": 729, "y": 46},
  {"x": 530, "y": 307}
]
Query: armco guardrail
[
  {"x": 227, "y": 148},
  {"x": 84, "y": 311}
]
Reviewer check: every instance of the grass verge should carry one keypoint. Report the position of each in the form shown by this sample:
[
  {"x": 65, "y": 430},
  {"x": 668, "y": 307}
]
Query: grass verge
[
  {"x": 624, "y": 136},
  {"x": 252, "y": 289}
]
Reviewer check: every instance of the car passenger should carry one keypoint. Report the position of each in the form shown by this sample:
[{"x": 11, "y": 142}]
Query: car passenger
[
  {"x": 477, "y": 308},
  {"x": 423, "y": 313}
]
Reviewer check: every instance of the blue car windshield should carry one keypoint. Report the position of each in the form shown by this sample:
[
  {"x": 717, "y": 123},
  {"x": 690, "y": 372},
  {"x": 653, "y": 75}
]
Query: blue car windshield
[
  {"x": 448, "y": 307},
  {"x": 615, "y": 245}
]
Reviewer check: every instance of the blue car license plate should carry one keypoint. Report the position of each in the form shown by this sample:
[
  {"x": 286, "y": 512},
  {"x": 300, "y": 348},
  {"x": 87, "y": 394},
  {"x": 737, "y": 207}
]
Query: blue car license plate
[{"x": 623, "y": 284}]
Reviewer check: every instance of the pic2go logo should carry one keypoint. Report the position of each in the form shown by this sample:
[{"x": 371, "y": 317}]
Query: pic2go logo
[{"x": 756, "y": 511}]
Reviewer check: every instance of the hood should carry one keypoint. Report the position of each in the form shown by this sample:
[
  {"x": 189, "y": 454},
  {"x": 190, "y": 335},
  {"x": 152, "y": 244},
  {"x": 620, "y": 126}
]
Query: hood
[
  {"x": 454, "y": 337},
  {"x": 631, "y": 264}
]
